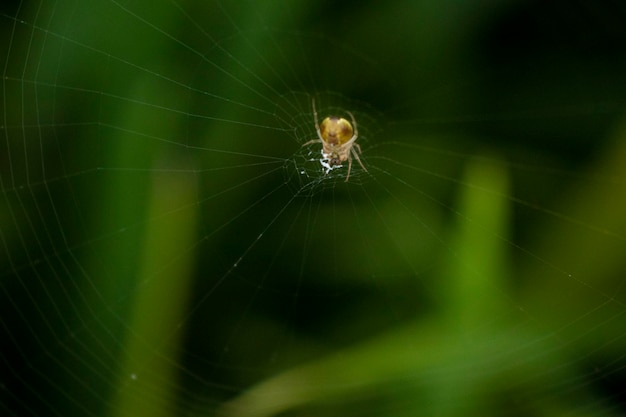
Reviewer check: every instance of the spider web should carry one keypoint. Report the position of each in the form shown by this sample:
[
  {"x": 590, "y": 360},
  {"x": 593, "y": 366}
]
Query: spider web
[{"x": 169, "y": 247}]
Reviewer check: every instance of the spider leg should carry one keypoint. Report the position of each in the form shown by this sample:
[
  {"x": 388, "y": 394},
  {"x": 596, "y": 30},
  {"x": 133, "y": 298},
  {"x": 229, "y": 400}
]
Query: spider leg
[
  {"x": 312, "y": 141},
  {"x": 317, "y": 125},
  {"x": 351, "y": 143},
  {"x": 349, "y": 168},
  {"x": 356, "y": 130},
  {"x": 356, "y": 155},
  {"x": 317, "y": 128}
]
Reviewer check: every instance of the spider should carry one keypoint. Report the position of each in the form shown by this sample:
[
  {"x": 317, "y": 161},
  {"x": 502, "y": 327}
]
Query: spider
[{"x": 338, "y": 139}]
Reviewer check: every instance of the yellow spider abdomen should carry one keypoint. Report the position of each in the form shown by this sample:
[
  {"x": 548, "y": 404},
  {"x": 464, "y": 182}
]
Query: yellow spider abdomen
[{"x": 336, "y": 131}]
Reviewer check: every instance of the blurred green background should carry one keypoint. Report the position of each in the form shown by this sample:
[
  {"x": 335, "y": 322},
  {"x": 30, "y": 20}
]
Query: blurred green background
[{"x": 169, "y": 248}]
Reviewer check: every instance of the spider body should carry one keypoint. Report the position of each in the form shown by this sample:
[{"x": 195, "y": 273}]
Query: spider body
[{"x": 337, "y": 136}]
